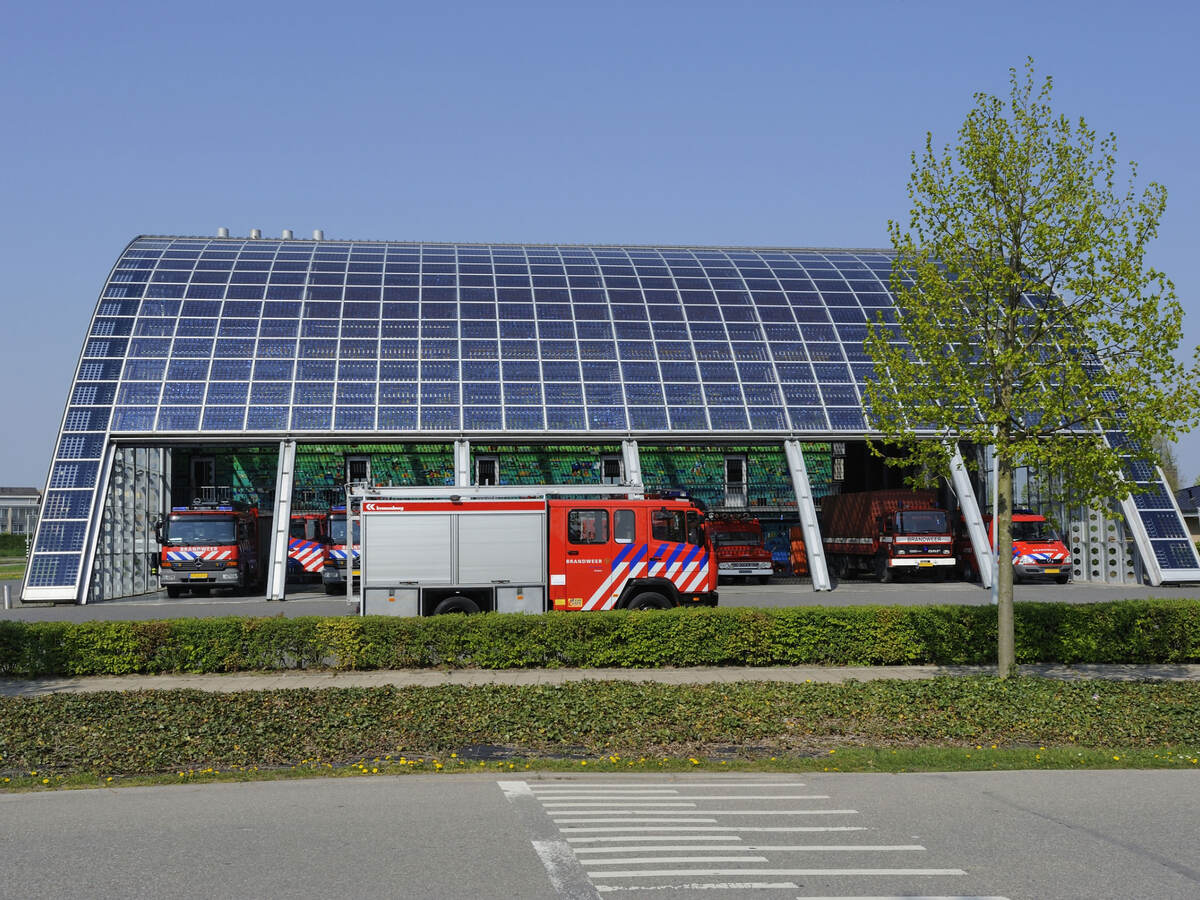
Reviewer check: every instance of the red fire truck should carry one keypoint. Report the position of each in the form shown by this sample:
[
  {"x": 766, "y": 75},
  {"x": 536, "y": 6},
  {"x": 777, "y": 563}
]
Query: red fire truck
[
  {"x": 521, "y": 550},
  {"x": 883, "y": 532},
  {"x": 339, "y": 555},
  {"x": 1037, "y": 550},
  {"x": 207, "y": 545},
  {"x": 737, "y": 543},
  {"x": 306, "y": 544}
]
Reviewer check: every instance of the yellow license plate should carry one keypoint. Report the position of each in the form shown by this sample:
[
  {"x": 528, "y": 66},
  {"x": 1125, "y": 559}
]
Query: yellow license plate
[
  {"x": 199, "y": 576},
  {"x": 356, "y": 572},
  {"x": 1052, "y": 571},
  {"x": 924, "y": 564}
]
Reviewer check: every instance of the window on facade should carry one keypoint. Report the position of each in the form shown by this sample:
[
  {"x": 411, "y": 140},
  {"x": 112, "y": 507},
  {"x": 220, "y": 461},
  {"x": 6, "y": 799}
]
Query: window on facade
[{"x": 587, "y": 526}]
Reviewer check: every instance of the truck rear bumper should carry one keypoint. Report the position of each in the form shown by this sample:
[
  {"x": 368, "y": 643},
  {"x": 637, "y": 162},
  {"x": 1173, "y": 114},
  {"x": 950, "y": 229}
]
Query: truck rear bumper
[
  {"x": 745, "y": 568},
  {"x": 708, "y": 598},
  {"x": 921, "y": 562}
]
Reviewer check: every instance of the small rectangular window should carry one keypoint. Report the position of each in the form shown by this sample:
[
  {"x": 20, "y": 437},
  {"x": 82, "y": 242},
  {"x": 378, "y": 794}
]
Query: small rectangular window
[
  {"x": 624, "y": 526},
  {"x": 587, "y": 526},
  {"x": 667, "y": 525}
]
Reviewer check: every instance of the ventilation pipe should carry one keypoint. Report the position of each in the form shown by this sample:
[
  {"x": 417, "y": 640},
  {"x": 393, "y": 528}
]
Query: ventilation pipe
[
  {"x": 287, "y": 234},
  {"x": 318, "y": 234},
  {"x": 255, "y": 234},
  {"x": 222, "y": 232}
]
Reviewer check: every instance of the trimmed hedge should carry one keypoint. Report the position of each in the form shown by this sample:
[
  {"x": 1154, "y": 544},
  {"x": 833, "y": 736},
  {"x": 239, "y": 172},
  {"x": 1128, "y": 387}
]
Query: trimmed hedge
[
  {"x": 131, "y": 732},
  {"x": 1130, "y": 631}
]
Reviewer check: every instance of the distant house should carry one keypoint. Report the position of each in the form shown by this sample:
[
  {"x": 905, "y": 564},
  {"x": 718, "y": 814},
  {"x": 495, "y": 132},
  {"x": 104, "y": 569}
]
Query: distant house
[
  {"x": 1189, "y": 505},
  {"x": 19, "y": 509}
]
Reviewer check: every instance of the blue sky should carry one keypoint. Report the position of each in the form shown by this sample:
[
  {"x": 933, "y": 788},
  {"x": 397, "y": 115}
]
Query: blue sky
[{"x": 679, "y": 123}]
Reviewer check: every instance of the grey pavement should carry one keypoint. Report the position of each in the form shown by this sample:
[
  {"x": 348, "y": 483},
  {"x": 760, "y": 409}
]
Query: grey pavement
[{"x": 263, "y": 681}]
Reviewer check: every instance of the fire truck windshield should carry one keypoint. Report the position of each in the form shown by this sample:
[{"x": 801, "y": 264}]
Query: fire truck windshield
[
  {"x": 921, "y": 521},
  {"x": 337, "y": 530},
  {"x": 1033, "y": 531},
  {"x": 743, "y": 538},
  {"x": 183, "y": 530}
]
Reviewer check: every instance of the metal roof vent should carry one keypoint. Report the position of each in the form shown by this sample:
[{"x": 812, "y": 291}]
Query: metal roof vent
[
  {"x": 222, "y": 232},
  {"x": 255, "y": 234},
  {"x": 318, "y": 234},
  {"x": 287, "y": 234}
]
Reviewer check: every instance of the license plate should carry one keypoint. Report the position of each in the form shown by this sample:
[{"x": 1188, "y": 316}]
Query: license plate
[
  {"x": 199, "y": 576},
  {"x": 924, "y": 563},
  {"x": 1052, "y": 571},
  {"x": 356, "y": 573}
]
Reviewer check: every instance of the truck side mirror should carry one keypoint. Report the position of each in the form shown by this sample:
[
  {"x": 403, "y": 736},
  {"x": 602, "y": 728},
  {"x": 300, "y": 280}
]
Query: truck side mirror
[{"x": 158, "y": 531}]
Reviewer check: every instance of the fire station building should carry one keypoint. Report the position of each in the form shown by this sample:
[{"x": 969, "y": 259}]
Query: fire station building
[{"x": 272, "y": 372}]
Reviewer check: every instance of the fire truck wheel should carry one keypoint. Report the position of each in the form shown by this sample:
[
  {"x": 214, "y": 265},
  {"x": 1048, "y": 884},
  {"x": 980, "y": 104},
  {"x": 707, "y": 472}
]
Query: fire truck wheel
[
  {"x": 650, "y": 601},
  {"x": 456, "y": 605},
  {"x": 174, "y": 590}
]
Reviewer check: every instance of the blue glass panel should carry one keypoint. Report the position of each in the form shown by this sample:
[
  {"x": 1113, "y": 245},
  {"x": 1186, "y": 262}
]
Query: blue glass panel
[
  {"x": 728, "y": 417},
  {"x": 683, "y": 394},
  {"x": 109, "y": 369},
  {"x": 559, "y": 393},
  {"x": 67, "y": 504},
  {"x": 483, "y": 417},
  {"x": 313, "y": 392},
  {"x": 311, "y": 418},
  {"x": 711, "y": 372},
  {"x": 688, "y": 418},
  {"x": 839, "y": 395},
  {"x": 597, "y": 350},
  {"x": 267, "y": 418},
  {"x": 59, "y": 537},
  {"x": 268, "y": 393},
  {"x": 808, "y": 418},
  {"x": 561, "y": 371},
  {"x": 439, "y": 418},
  {"x": 355, "y": 418},
  {"x": 481, "y": 371},
  {"x": 224, "y": 418},
  {"x": 559, "y": 350},
  {"x": 354, "y": 370},
  {"x": 178, "y": 418},
  {"x": 101, "y": 393},
  {"x": 142, "y": 347},
  {"x": 522, "y": 393},
  {"x": 648, "y": 418},
  {"x": 762, "y": 395},
  {"x": 1156, "y": 497},
  {"x": 80, "y": 446},
  {"x": 565, "y": 418},
  {"x": 832, "y": 372},
  {"x": 86, "y": 418},
  {"x": 231, "y": 369},
  {"x": 644, "y": 394},
  {"x": 1174, "y": 554},
  {"x": 606, "y": 418},
  {"x": 392, "y": 418},
  {"x": 439, "y": 393},
  {"x": 523, "y": 418},
  {"x": 518, "y": 370},
  {"x": 356, "y": 393},
  {"x": 273, "y": 370},
  {"x": 1163, "y": 525},
  {"x": 723, "y": 394},
  {"x": 843, "y": 418},
  {"x": 133, "y": 418},
  {"x": 397, "y": 371},
  {"x": 766, "y": 418},
  {"x": 677, "y": 371},
  {"x": 675, "y": 350},
  {"x": 237, "y": 328},
  {"x": 1137, "y": 470},
  {"x": 480, "y": 329},
  {"x": 73, "y": 475},
  {"x": 53, "y": 570},
  {"x": 518, "y": 349},
  {"x": 225, "y": 347},
  {"x": 399, "y": 393},
  {"x": 801, "y": 395}
]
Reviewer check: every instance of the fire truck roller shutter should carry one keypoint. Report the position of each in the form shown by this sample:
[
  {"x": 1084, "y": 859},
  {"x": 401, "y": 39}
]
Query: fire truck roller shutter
[
  {"x": 409, "y": 547},
  {"x": 502, "y": 547}
]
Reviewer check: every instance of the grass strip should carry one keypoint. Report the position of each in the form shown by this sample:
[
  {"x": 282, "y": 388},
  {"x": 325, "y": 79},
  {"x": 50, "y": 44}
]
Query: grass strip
[
  {"x": 1130, "y": 631},
  {"x": 883, "y": 725}
]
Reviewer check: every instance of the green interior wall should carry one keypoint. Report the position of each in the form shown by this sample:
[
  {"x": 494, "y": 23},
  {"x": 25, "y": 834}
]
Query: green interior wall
[
  {"x": 248, "y": 473},
  {"x": 547, "y": 464}
]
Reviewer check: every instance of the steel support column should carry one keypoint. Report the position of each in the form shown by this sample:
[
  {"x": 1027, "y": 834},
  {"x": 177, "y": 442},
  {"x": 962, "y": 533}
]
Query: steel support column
[
  {"x": 981, "y": 544},
  {"x": 813, "y": 546},
  {"x": 462, "y": 463},
  {"x": 633, "y": 462},
  {"x": 282, "y": 521}
]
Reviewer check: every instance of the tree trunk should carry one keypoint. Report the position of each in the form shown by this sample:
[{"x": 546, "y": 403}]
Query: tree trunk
[{"x": 1006, "y": 663}]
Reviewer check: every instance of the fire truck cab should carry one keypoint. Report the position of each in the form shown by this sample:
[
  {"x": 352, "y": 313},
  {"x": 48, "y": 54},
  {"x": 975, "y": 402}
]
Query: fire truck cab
[
  {"x": 496, "y": 550},
  {"x": 209, "y": 545},
  {"x": 340, "y": 556}
]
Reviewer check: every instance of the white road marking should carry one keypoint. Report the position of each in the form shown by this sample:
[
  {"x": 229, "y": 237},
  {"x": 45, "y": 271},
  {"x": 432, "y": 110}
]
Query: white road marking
[
  {"x": 645, "y": 804},
  {"x": 726, "y": 886},
  {"x": 666, "y": 837},
  {"x": 558, "y": 819},
  {"x": 638, "y": 860},
  {"x": 579, "y": 801},
  {"x": 809, "y": 873},
  {"x": 736, "y": 812},
  {"x": 754, "y": 848},
  {"x": 723, "y": 828},
  {"x": 899, "y": 897},
  {"x": 692, "y": 781}
]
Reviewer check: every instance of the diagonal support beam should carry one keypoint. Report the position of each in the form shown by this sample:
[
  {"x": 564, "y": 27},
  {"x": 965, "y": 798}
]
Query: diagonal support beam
[
  {"x": 281, "y": 523},
  {"x": 981, "y": 545},
  {"x": 813, "y": 546},
  {"x": 462, "y": 463}
]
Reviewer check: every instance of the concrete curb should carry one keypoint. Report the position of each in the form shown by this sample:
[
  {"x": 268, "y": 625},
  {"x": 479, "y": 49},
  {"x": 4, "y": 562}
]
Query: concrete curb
[{"x": 315, "y": 680}]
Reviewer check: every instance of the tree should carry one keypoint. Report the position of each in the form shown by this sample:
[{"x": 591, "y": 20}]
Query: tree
[{"x": 1026, "y": 317}]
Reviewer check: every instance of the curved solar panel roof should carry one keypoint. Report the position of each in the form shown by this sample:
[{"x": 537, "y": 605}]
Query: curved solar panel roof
[
  {"x": 311, "y": 337},
  {"x": 229, "y": 337}
]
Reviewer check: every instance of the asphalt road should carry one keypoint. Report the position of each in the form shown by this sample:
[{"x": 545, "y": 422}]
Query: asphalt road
[
  {"x": 304, "y": 601},
  {"x": 1013, "y": 835}
]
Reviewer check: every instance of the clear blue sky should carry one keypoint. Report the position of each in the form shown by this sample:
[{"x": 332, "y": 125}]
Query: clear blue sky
[{"x": 775, "y": 124}]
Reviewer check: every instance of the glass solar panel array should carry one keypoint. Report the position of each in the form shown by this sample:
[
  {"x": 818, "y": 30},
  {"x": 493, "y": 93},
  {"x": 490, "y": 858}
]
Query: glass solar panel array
[{"x": 235, "y": 337}]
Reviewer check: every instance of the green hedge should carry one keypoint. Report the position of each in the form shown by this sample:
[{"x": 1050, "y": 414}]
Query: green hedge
[{"x": 1130, "y": 631}]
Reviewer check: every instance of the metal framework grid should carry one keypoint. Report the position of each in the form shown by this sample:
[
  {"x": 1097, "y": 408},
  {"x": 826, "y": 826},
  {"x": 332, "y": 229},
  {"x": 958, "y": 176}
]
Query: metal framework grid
[{"x": 236, "y": 339}]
